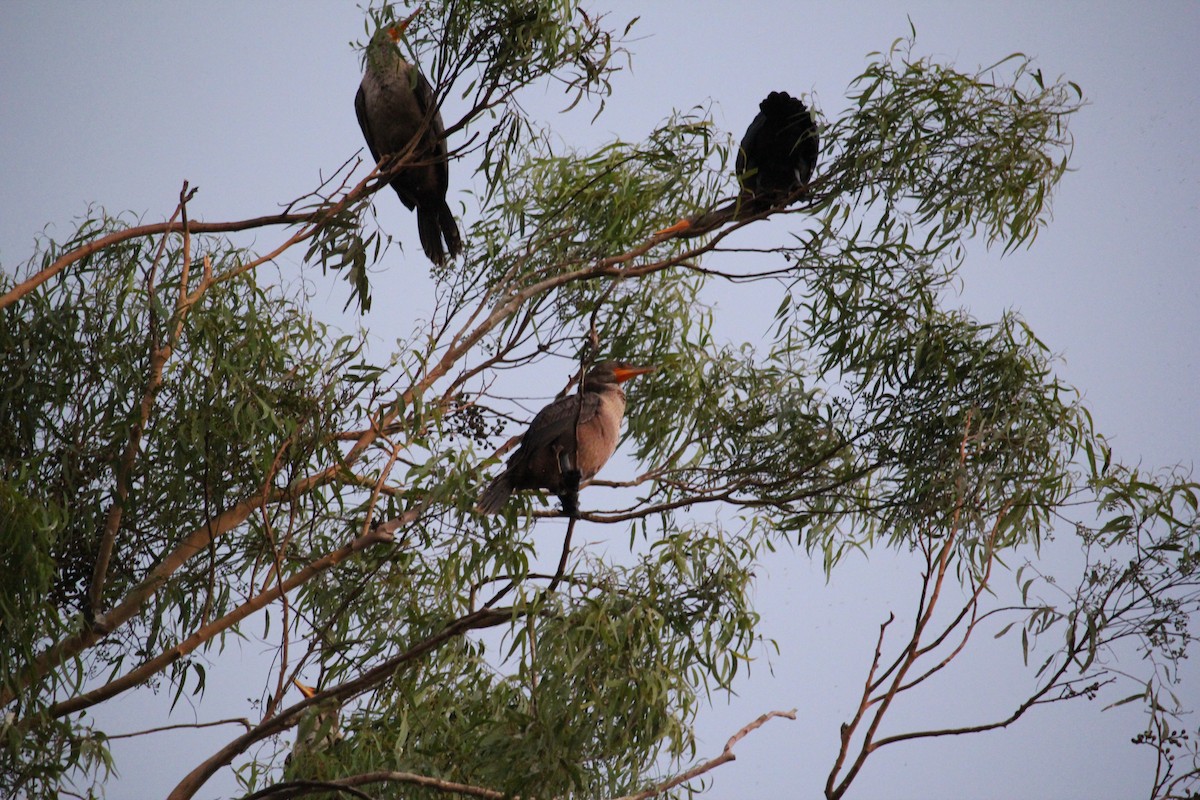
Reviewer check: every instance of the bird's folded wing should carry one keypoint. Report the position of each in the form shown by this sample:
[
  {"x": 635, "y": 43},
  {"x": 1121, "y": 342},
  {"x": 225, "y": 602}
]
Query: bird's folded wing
[{"x": 557, "y": 419}]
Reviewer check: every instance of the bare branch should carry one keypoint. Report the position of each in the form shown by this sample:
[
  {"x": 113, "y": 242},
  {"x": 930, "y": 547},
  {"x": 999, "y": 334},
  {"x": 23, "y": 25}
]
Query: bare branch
[
  {"x": 726, "y": 756},
  {"x": 245, "y": 723}
]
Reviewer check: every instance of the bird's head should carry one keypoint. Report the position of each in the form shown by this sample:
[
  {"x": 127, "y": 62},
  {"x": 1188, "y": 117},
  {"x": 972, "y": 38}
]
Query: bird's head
[
  {"x": 610, "y": 372},
  {"x": 396, "y": 32},
  {"x": 782, "y": 105}
]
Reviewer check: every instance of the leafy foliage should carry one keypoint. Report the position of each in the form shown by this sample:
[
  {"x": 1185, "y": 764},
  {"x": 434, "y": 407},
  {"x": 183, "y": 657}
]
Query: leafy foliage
[{"x": 186, "y": 453}]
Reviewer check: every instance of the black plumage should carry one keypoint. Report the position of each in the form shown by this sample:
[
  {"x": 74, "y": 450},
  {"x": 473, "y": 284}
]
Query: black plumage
[
  {"x": 393, "y": 105},
  {"x": 555, "y": 454},
  {"x": 779, "y": 151}
]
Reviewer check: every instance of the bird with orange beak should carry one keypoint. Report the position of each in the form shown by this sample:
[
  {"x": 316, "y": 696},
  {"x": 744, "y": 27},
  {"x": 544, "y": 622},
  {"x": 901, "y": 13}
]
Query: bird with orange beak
[
  {"x": 318, "y": 731},
  {"x": 568, "y": 441}
]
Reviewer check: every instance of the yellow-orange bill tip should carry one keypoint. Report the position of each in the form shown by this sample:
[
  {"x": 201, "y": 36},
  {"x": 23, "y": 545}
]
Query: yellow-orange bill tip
[{"x": 305, "y": 690}]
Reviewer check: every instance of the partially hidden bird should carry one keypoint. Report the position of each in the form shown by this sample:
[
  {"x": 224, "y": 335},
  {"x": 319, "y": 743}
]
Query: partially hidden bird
[
  {"x": 319, "y": 730},
  {"x": 779, "y": 151},
  {"x": 568, "y": 441},
  {"x": 395, "y": 108}
]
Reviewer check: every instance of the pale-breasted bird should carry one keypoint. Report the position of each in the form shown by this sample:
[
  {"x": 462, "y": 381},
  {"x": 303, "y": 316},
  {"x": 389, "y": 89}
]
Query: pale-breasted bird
[
  {"x": 319, "y": 730},
  {"x": 568, "y": 441}
]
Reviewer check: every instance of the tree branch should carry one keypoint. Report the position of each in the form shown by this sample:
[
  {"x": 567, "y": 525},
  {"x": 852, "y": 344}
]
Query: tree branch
[
  {"x": 245, "y": 723},
  {"x": 726, "y": 756},
  {"x": 155, "y": 229},
  {"x": 123, "y": 469},
  {"x": 289, "y": 717},
  {"x": 207, "y": 632},
  {"x": 288, "y": 789}
]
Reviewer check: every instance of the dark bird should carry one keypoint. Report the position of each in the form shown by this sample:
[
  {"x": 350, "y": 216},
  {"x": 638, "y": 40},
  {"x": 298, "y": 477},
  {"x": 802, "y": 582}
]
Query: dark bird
[
  {"x": 779, "y": 151},
  {"x": 394, "y": 104},
  {"x": 554, "y": 453}
]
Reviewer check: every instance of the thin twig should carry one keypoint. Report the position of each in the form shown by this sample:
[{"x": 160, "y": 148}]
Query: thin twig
[
  {"x": 562, "y": 561},
  {"x": 725, "y": 757},
  {"x": 848, "y": 728},
  {"x": 245, "y": 723}
]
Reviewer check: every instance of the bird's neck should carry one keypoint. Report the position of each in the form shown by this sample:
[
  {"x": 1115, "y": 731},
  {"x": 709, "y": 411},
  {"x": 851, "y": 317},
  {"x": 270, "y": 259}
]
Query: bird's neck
[
  {"x": 383, "y": 56},
  {"x": 611, "y": 389}
]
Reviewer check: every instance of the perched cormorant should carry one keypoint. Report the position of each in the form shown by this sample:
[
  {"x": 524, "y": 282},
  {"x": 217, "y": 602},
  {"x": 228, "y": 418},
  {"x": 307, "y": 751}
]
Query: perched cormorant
[
  {"x": 779, "y": 151},
  {"x": 544, "y": 459},
  {"x": 319, "y": 731},
  {"x": 393, "y": 106}
]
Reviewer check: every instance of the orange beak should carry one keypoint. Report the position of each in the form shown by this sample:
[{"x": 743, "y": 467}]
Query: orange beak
[
  {"x": 397, "y": 30},
  {"x": 307, "y": 691},
  {"x": 678, "y": 227},
  {"x": 625, "y": 372}
]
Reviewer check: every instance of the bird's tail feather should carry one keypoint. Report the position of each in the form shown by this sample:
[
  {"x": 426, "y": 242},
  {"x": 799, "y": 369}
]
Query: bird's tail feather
[
  {"x": 449, "y": 230},
  {"x": 431, "y": 234},
  {"x": 495, "y": 495},
  {"x": 434, "y": 223}
]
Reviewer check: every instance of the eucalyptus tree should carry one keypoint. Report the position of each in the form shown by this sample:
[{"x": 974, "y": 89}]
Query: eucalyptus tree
[{"x": 189, "y": 453}]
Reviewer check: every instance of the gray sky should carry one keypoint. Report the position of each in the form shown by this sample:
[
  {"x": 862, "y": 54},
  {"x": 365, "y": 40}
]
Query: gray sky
[{"x": 118, "y": 103}]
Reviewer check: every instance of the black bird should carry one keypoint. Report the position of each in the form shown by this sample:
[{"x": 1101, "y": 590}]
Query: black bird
[
  {"x": 557, "y": 456},
  {"x": 778, "y": 152},
  {"x": 393, "y": 106}
]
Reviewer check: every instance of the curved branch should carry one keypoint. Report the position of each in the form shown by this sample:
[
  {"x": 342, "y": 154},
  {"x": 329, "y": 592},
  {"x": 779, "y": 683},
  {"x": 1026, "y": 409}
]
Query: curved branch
[
  {"x": 726, "y": 756},
  {"x": 140, "y": 231}
]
